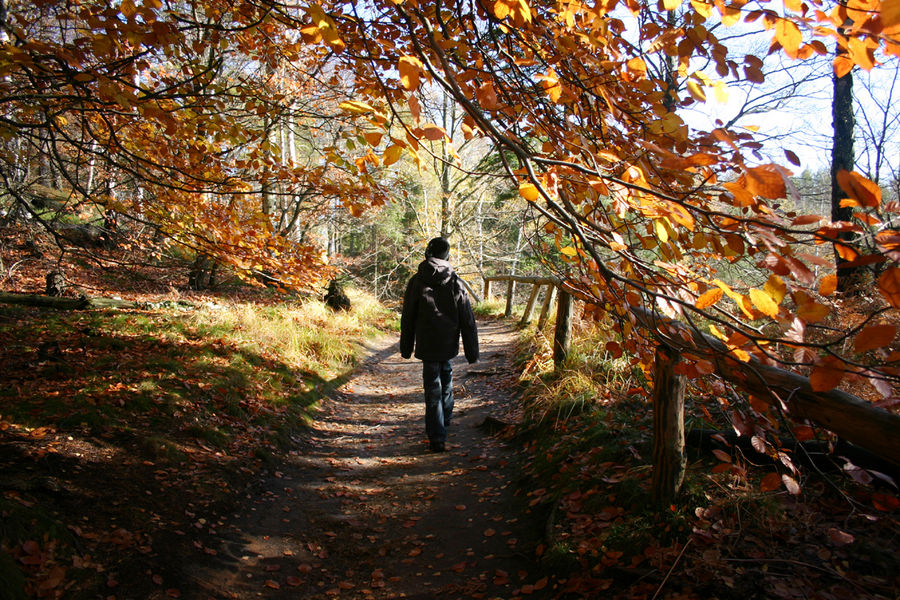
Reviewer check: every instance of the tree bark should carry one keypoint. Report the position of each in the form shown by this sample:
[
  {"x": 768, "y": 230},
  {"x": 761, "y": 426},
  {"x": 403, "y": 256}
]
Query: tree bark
[
  {"x": 842, "y": 159},
  {"x": 669, "y": 461},
  {"x": 563, "y": 333}
]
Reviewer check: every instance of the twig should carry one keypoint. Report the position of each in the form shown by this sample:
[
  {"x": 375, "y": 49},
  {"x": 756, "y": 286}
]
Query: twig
[
  {"x": 672, "y": 568},
  {"x": 798, "y": 563}
]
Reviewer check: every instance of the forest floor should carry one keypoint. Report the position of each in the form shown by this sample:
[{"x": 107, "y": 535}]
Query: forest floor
[{"x": 363, "y": 509}]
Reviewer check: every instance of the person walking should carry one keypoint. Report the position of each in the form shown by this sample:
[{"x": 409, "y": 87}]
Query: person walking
[{"x": 436, "y": 313}]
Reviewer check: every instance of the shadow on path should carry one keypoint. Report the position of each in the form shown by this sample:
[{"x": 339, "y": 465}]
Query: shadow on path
[{"x": 363, "y": 509}]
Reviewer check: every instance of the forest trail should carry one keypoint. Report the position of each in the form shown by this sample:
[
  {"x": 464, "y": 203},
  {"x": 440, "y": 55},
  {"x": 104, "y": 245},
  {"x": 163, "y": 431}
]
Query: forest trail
[{"x": 362, "y": 509}]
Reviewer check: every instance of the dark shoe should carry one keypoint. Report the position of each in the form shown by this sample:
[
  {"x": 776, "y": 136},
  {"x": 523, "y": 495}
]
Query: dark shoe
[{"x": 438, "y": 446}]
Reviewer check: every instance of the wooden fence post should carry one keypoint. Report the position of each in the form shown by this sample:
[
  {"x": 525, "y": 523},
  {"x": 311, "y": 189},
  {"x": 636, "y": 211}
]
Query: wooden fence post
[
  {"x": 487, "y": 290},
  {"x": 529, "y": 308},
  {"x": 563, "y": 333},
  {"x": 510, "y": 292},
  {"x": 545, "y": 307},
  {"x": 669, "y": 461}
]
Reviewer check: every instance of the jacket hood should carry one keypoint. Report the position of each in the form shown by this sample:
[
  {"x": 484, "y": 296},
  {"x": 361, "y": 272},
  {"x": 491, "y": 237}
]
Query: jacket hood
[{"x": 435, "y": 271}]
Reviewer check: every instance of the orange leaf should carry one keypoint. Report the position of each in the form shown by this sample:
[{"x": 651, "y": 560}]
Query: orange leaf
[
  {"x": 770, "y": 482},
  {"x": 788, "y": 35},
  {"x": 487, "y": 96},
  {"x": 890, "y": 16},
  {"x": 874, "y": 336},
  {"x": 828, "y": 285},
  {"x": 410, "y": 69},
  {"x": 859, "y": 188},
  {"x": 824, "y": 377},
  {"x": 433, "y": 132},
  {"x": 804, "y": 433},
  {"x": 885, "y": 502},
  {"x": 489, "y": 532},
  {"x": 709, "y": 298},
  {"x": 766, "y": 181},
  {"x": 812, "y": 312},
  {"x": 889, "y": 286}
]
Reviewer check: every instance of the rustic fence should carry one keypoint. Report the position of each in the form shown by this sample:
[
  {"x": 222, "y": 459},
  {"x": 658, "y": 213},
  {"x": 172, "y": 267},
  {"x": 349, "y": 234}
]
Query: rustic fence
[{"x": 853, "y": 419}]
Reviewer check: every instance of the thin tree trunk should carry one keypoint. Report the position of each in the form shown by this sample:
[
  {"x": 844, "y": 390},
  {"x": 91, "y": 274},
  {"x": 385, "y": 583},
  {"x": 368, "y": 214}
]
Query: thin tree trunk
[{"x": 842, "y": 159}]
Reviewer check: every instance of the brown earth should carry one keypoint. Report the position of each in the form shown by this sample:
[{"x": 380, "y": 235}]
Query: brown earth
[{"x": 363, "y": 509}]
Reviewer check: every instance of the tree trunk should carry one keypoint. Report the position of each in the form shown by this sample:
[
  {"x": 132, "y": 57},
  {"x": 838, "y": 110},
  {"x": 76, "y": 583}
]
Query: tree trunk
[
  {"x": 669, "y": 461},
  {"x": 842, "y": 159}
]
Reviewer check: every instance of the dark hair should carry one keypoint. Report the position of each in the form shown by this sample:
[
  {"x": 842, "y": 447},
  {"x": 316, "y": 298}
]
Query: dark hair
[{"x": 438, "y": 248}]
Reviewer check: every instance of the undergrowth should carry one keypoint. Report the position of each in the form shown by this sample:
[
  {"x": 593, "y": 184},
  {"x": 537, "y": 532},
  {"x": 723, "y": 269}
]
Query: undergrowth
[
  {"x": 124, "y": 409},
  {"x": 588, "y": 438}
]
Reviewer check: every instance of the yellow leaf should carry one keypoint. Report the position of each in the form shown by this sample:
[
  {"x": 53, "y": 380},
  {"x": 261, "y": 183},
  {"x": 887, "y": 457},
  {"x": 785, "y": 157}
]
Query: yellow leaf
[
  {"x": 392, "y": 154},
  {"x": 551, "y": 84},
  {"x": 696, "y": 90},
  {"x": 716, "y": 332},
  {"x": 529, "y": 191},
  {"x": 671, "y": 4},
  {"x": 568, "y": 251},
  {"x": 763, "y": 302},
  {"x": 741, "y": 355},
  {"x": 709, "y": 298},
  {"x": 704, "y": 8},
  {"x": 776, "y": 288},
  {"x": 356, "y": 107},
  {"x": 661, "y": 232}
]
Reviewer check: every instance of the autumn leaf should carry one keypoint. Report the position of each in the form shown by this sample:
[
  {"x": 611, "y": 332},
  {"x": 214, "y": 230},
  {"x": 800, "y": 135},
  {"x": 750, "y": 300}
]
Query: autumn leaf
[
  {"x": 410, "y": 69},
  {"x": 528, "y": 191},
  {"x": 764, "y": 302},
  {"x": 356, "y": 107},
  {"x": 825, "y": 377},
  {"x": 709, "y": 298},
  {"x": 766, "y": 181},
  {"x": 433, "y": 132},
  {"x": 392, "y": 154},
  {"x": 874, "y": 336},
  {"x": 860, "y": 188},
  {"x": 486, "y": 96},
  {"x": 770, "y": 482},
  {"x": 889, "y": 286},
  {"x": 828, "y": 285},
  {"x": 790, "y": 484},
  {"x": 788, "y": 35}
]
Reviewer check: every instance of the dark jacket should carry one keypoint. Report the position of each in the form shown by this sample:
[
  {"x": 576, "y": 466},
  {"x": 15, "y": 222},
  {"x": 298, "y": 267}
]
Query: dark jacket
[{"x": 436, "y": 311}]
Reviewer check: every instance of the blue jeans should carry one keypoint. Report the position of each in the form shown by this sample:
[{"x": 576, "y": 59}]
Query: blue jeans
[{"x": 438, "y": 380}]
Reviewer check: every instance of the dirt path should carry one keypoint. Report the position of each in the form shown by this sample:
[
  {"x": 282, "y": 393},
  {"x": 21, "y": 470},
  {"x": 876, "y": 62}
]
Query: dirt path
[{"x": 363, "y": 509}]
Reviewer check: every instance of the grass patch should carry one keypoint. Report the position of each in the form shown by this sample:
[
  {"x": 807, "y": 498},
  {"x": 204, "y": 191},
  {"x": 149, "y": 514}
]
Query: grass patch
[{"x": 128, "y": 408}]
